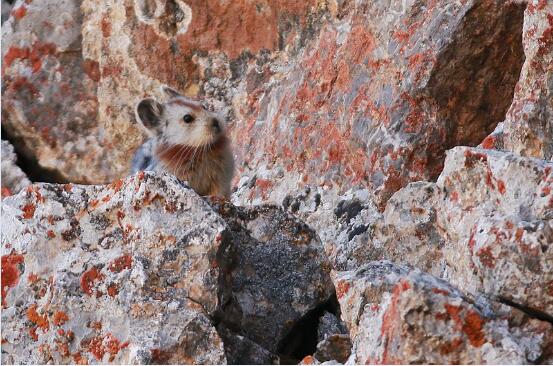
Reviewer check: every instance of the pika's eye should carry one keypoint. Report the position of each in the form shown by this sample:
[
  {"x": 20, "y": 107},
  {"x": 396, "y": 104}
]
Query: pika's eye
[{"x": 188, "y": 118}]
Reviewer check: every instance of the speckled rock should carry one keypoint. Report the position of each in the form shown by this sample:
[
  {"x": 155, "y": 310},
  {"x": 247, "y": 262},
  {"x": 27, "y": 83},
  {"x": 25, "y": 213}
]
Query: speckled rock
[
  {"x": 143, "y": 270},
  {"x": 399, "y": 315},
  {"x": 528, "y": 128},
  {"x": 124, "y": 273},
  {"x": 380, "y": 95},
  {"x": 497, "y": 217},
  {"x": 277, "y": 272},
  {"x": 49, "y": 104},
  {"x": 13, "y": 178}
]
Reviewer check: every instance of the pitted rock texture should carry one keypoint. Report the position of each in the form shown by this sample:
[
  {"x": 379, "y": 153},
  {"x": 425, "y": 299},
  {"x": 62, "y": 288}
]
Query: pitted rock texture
[
  {"x": 120, "y": 274},
  {"x": 13, "y": 178},
  {"x": 49, "y": 103},
  {"x": 399, "y": 315},
  {"x": 277, "y": 272},
  {"x": 143, "y": 270}
]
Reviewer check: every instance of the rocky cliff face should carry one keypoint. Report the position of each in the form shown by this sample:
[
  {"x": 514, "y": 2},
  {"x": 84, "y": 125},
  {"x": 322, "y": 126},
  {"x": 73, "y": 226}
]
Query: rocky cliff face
[{"x": 392, "y": 204}]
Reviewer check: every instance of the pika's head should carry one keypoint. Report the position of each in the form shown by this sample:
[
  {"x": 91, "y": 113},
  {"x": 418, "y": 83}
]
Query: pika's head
[{"x": 179, "y": 121}]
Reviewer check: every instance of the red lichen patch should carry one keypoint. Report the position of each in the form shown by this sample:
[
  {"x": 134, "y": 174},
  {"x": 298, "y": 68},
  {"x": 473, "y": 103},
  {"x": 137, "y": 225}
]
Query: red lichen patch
[
  {"x": 501, "y": 186},
  {"x": 454, "y": 313},
  {"x": 88, "y": 278},
  {"x": 486, "y": 257},
  {"x": 489, "y": 142},
  {"x": 60, "y": 318},
  {"x": 545, "y": 191},
  {"x": 473, "y": 329},
  {"x": 471, "y": 158},
  {"x": 449, "y": 347},
  {"x": 440, "y": 291},
  {"x": 140, "y": 175},
  {"x": 68, "y": 187},
  {"x": 390, "y": 322},
  {"x": 20, "y": 12},
  {"x": 454, "y": 196},
  {"x": 79, "y": 359},
  {"x": 32, "y": 333},
  {"x": 28, "y": 211},
  {"x": 40, "y": 320},
  {"x": 101, "y": 345},
  {"x": 10, "y": 273},
  {"x": 6, "y": 192},
  {"x": 121, "y": 263},
  {"x": 34, "y": 190},
  {"x": 50, "y": 234},
  {"x": 113, "y": 290},
  {"x": 105, "y": 25},
  {"x": 342, "y": 288},
  {"x": 32, "y": 278},
  {"x": 92, "y": 69},
  {"x": 94, "y": 203}
]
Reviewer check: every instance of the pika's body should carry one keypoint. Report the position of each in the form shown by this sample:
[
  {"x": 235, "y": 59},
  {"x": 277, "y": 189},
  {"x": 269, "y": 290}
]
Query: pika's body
[{"x": 187, "y": 141}]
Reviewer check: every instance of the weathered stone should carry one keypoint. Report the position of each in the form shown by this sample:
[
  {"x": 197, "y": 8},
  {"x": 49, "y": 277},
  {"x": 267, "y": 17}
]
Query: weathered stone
[
  {"x": 49, "y": 103},
  {"x": 399, "y": 315},
  {"x": 242, "y": 351},
  {"x": 497, "y": 217},
  {"x": 13, "y": 178},
  {"x": 528, "y": 128},
  {"x": 335, "y": 347},
  {"x": 276, "y": 270},
  {"x": 122, "y": 274},
  {"x": 377, "y": 103}
]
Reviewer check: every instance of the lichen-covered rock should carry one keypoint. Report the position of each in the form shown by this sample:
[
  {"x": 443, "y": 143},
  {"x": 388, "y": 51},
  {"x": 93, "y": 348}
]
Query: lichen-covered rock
[
  {"x": 141, "y": 271},
  {"x": 276, "y": 271},
  {"x": 381, "y": 94},
  {"x": 124, "y": 273},
  {"x": 497, "y": 218},
  {"x": 528, "y": 128},
  {"x": 49, "y": 103},
  {"x": 13, "y": 178},
  {"x": 399, "y": 315}
]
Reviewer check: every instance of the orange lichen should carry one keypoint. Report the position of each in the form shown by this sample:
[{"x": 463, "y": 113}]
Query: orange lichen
[
  {"x": 40, "y": 320},
  {"x": 10, "y": 273},
  {"x": 60, "y": 318},
  {"x": 88, "y": 279},
  {"x": 28, "y": 210},
  {"x": 473, "y": 329},
  {"x": 121, "y": 263}
]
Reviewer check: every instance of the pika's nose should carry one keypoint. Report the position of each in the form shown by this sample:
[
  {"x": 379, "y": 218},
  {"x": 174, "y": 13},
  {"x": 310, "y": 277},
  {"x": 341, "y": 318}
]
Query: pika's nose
[{"x": 216, "y": 124}]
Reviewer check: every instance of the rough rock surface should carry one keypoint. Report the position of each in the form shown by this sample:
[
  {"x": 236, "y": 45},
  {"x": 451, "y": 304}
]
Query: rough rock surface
[
  {"x": 399, "y": 315},
  {"x": 528, "y": 128},
  {"x": 142, "y": 270},
  {"x": 276, "y": 269},
  {"x": 13, "y": 178},
  {"x": 121, "y": 274}
]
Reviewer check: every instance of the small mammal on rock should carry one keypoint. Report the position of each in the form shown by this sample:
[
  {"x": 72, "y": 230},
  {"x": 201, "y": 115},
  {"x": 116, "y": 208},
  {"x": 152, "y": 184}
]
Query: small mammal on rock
[{"x": 187, "y": 141}]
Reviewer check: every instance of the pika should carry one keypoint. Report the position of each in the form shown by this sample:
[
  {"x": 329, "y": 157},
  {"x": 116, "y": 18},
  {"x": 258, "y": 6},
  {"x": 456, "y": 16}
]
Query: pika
[{"x": 187, "y": 141}]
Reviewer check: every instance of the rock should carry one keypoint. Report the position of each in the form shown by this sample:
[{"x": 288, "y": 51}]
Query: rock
[
  {"x": 6, "y": 10},
  {"x": 335, "y": 347},
  {"x": 143, "y": 269},
  {"x": 329, "y": 325},
  {"x": 121, "y": 274},
  {"x": 242, "y": 351},
  {"x": 380, "y": 95},
  {"x": 528, "y": 127},
  {"x": 396, "y": 314},
  {"x": 276, "y": 270},
  {"x": 497, "y": 217},
  {"x": 13, "y": 178},
  {"x": 49, "y": 103}
]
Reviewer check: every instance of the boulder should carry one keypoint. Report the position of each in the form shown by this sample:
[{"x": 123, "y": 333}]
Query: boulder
[{"x": 396, "y": 314}]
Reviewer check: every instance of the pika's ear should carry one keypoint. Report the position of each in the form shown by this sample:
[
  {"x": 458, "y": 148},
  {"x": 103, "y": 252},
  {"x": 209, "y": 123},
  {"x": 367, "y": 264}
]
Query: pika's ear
[
  {"x": 149, "y": 112},
  {"x": 170, "y": 92}
]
